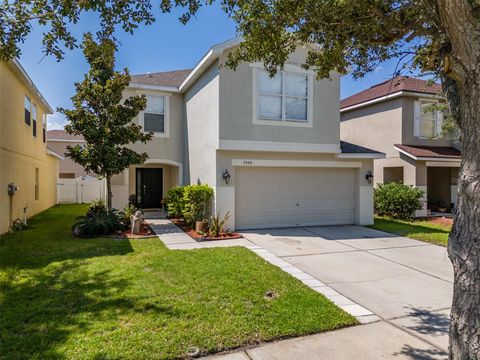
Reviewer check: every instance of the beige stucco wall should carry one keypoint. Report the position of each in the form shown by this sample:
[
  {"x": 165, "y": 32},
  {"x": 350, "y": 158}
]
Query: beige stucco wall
[
  {"x": 67, "y": 165},
  {"x": 378, "y": 126},
  {"x": 202, "y": 111},
  {"x": 171, "y": 147},
  {"x": 21, "y": 152},
  {"x": 225, "y": 194},
  {"x": 236, "y": 108}
]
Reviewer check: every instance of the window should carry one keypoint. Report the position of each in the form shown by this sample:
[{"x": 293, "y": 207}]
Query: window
[
  {"x": 44, "y": 128},
  {"x": 27, "y": 110},
  {"x": 427, "y": 120},
  {"x": 37, "y": 185},
  {"x": 34, "y": 120},
  {"x": 154, "y": 114},
  {"x": 428, "y": 123},
  {"x": 284, "y": 97}
]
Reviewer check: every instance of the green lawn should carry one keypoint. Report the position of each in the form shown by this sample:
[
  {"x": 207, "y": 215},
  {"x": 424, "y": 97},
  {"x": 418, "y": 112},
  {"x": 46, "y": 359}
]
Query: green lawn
[
  {"x": 68, "y": 298},
  {"x": 416, "y": 229}
]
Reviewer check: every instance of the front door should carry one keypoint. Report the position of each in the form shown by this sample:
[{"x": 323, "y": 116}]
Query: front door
[{"x": 149, "y": 192}]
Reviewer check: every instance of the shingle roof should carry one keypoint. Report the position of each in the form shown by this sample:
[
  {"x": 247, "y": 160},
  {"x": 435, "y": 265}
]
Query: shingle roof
[
  {"x": 166, "y": 78},
  {"x": 62, "y": 135},
  {"x": 349, "y": 148},
  {"x": 399, "y": 83},
  {"x": 445, "y": 152}
]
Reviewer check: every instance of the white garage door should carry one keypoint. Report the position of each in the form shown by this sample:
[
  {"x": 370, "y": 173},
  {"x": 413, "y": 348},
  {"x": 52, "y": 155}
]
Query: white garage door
[{"x": 281, "y": 197}]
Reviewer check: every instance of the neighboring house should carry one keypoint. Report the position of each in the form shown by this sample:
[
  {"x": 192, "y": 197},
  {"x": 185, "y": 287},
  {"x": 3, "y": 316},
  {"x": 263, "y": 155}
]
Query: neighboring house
[
  {"x": 25, "y": 160},
  {"x": 270, "y": 147},
  {"x": 395, "y": 117},
  {"x": 58, "y": 140}
]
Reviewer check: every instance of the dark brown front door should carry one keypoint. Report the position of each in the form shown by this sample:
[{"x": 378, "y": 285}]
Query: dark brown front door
[{"x": 149, "y": 192}]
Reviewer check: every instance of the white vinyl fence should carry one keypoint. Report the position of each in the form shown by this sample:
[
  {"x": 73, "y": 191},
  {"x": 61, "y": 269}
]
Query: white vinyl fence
[{"x": 77, "y": 191}]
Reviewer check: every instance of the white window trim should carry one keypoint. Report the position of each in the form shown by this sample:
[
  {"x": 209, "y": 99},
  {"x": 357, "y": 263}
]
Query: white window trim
[
  {"x": 437, "y": 132},
  {"x": 166, "y": 114},
  {"x": 289, "y": 68}
]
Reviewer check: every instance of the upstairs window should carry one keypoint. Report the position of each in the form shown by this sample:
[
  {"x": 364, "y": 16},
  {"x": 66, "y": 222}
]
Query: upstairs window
[
  {"x": 154, "y": 114},
  {"x": 283, "y": 98},
  {"x": 34, "y": 120},
  {"x": 428, "y": 121},
  {"x": 27, "y": 111}
]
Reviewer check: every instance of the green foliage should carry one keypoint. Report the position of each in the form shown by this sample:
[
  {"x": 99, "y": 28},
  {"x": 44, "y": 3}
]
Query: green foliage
[
  {"x": 175, "y": 202},
  {"x": 196, "y": 202},
  {"x": 57, "y": 19},
  {"x": 98, "y": 224},
  {"x": 217, "y": 224},
  {"x": 397, "y": 201},
  {"x": 103, "y": 117},
  {"x": 96, "y": 207},
  {"x": 126, "y": 213}
]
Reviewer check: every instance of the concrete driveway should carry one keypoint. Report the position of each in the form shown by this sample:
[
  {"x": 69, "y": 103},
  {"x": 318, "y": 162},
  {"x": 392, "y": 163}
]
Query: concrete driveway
[{"x": 407, "y": 283}]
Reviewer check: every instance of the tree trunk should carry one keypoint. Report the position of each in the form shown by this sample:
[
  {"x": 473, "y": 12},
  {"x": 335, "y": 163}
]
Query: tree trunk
[
  {"x": 464, "y": 241},
  {"x": 459, "y": 31},
  {"x": 109, "y": 193}
]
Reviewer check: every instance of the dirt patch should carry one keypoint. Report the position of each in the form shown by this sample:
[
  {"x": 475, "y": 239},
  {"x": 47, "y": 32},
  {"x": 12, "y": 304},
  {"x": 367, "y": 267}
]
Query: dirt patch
[{"x": 197, "y": 236}]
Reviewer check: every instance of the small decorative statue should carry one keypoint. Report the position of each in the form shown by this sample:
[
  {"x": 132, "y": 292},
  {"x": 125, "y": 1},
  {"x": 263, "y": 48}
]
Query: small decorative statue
[{"x": 136, "y": 221}]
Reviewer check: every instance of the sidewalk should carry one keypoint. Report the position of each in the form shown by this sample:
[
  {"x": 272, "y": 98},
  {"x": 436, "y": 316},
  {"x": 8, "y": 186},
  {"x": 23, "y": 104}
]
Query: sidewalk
[{"x": 379, "y": 340}]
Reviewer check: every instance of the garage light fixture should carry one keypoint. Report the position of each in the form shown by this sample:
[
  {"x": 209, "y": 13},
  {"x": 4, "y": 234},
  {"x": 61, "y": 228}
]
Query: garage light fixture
[
  {"x": 226, "y": 176},
  {"x": 369, "y": 176}
]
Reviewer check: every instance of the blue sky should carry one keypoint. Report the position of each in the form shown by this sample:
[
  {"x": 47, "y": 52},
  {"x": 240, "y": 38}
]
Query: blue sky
[{"x": 165, "y": 45}]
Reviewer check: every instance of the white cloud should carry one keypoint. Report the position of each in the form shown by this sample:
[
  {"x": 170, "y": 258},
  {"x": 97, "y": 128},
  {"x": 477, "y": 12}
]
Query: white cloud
[{"x": 56, "y": 121}]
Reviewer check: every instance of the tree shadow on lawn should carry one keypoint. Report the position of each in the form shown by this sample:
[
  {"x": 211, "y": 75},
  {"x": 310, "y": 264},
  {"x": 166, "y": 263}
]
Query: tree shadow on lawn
[
  {"x": 410, "y": 228},
  {"x": 50, "y": 239},
  {"x": 41, "y": 311}
]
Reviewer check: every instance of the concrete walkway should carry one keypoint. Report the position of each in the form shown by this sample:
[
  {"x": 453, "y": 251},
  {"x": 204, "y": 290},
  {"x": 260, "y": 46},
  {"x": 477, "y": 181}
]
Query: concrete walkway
[{"x": 404, "y": 283}]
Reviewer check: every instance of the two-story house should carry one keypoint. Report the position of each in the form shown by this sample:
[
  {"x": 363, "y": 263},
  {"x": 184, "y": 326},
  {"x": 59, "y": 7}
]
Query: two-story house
[
  {"x": 397, "y": 118},
  {"x": 28, "y": 169},
  {"x": 270, "y": 147}
]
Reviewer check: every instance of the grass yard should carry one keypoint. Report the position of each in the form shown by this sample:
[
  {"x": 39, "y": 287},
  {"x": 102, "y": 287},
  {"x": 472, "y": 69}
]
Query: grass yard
[
  {"x": 424, "y": 230},
  {"x": 68, "y": 298}
]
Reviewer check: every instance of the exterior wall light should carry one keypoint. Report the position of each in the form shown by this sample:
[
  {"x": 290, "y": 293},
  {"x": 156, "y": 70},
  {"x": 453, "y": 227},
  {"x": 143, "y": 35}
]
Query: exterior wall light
[
  {"x": 226, "y": 176},
  {"x": 369, "y": 176}
]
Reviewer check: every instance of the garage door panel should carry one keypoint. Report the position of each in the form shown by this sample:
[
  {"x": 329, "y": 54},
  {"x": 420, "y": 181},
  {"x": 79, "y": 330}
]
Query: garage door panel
[{"x": 274, "y": 197}]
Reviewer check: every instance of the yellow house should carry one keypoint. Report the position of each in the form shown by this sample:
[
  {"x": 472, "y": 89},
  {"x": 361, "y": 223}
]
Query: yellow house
[{"x": 28, "y": 169}]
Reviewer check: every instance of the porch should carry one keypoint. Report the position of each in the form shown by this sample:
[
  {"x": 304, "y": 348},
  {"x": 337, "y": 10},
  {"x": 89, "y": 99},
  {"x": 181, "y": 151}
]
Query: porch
[
  {"x": 431, "y": 169},
  {"x": 146, "y": 185}
]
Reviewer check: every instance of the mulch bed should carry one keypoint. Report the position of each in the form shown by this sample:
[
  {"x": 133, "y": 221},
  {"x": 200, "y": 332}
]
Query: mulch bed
[
  {"x": 194, "y": 235},
  {"x": 441, "y": 221},
  {"x": 145, "y": 233}
]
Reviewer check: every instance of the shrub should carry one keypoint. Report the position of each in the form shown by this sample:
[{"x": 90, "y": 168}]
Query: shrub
[
  {"x": 196, "y": 202},
  {"x": 96, "y": 207},
  {"x": 396, "y": 200},
  {"x": 125, "y": 214},
  {"x": 175, "y": 202},
  {"x": 217, "y": 224},
  {"x": 97, "y": 224}
]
